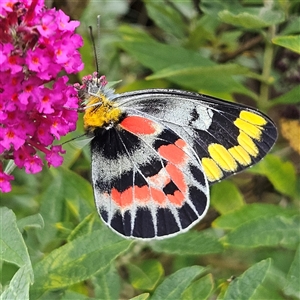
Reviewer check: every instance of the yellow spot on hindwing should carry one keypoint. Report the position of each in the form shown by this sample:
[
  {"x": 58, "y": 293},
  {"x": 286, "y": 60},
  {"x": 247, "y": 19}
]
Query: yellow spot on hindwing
[
  {"x": 222, "y": 157},
  {"x": 240, "y": 155},
  {"x": 252, "y": 118},
  {"x": 250, "y": 129},
  {"x": 247, "y": 143},
  {"x": 97, "y": 116},
  {"x": 211, "y": 169},
  {"x": 251, "y": 126}
]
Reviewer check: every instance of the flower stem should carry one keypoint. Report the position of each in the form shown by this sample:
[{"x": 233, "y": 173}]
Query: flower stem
[{"x": 267, "y": 67}]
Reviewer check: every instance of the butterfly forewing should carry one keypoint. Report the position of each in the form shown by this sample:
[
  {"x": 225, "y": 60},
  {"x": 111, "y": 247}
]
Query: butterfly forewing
[
  {"x": 227, "y": 137},
  {"x": 148, "y": 182}
]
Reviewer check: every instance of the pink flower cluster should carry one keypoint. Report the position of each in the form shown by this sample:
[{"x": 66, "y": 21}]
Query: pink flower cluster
[{"x": 37, "y": 106}]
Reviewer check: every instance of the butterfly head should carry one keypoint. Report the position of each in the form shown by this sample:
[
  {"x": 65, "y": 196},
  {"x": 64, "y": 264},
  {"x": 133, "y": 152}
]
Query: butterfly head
[{"x": 99, "y": 108}]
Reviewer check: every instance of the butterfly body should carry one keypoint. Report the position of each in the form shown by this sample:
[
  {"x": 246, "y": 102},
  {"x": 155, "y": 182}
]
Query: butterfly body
[{"x": 155, "y": 153}]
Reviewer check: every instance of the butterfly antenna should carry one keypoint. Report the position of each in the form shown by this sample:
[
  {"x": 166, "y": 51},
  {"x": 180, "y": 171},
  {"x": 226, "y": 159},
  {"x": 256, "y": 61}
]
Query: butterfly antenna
[
  {"x": 75, "y": 138},
  {"x": 98, "y": 41},
  {"x": 94, "y": 49}
]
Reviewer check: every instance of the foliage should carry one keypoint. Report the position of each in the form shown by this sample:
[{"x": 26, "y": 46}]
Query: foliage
[{"x": 53, "y": 245}]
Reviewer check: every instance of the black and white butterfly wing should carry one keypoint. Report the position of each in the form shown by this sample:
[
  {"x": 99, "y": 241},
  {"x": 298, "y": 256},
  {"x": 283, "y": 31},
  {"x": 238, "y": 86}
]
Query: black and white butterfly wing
[
  {"x": 227, "y": 137},
  {"x": 148, "y": 182},
  {"x": 155, "y": 152}
]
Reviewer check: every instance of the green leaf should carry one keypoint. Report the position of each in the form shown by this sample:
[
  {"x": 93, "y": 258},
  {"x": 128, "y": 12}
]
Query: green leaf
[
  {"x": 143, "y": 296},
  {"x": 65, "y": 185},
  {"x": 107, "y": 284},
  {"x": 245, "y": 286},
  {"x": 12, "y": 245},
  {"x": 213, "y": 8},
  {"x": 203, "y": 78},
  {"x": 167, "y": 18},
  {"x": 145, "y": 275},
  {"x": 19, "y": 285},
  {"x": 130, "y": 33},
  {"x": 275, "y": 231},
  {"x": 234, "y": 13},
  {"x": 293, "y": 278},
  {"x": 291, "y": 42},
  {"x": 293, "y": 25},
  {"x": 174, "y": 285},
  {"x": 187, "y": 70},
  {"x": 74, "y": 147},
  {"x": 33, "y": 221},
  {"x": 78, "y": 260},
  {"x": 249, "y": 213},
  {"x": 281, "y": 174},
  {"x": 225, "y": 197},
  {"x": 200, "y": 289},
  {"x": 143, "y": 84},
  {"x": 198, "y": 243},
  {"x": 291, "y": 97},
  {"x": 68, "y": 295},
  {"x": 230, "y": 41},
  {"x": 201, "y": 32},
  {"x": 83, "y": 228},
  {"x": 252, "y": 19},
  {"x": 166, "y": 56}
]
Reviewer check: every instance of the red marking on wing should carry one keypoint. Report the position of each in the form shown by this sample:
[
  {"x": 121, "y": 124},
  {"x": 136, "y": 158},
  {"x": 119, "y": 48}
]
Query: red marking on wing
[
  {"x": 154, "y": 191},
  {"x": 123, "y": 199},
  {"x": 177, "y": 198},
  {"x": 145, "y": 193},
  {"x": 138, "y": 125},
  {"x": 177, "y": 177},
  {"x": 173, "y": 154},
  {"x": 142, "y": 194},
  {"x": 158, "y": 196},
  {"x": 180, "y": 143}
]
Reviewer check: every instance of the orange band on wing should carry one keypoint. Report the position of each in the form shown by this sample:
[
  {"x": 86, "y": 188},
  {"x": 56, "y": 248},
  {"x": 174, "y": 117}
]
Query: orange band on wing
[
  {"x": 180, "y": 143},
  {"x": 158, "y": 196},
  {"x": 142, "y": 195},
  {"x": 173, "y": 154},
  {"x": 138, "y": 125},
  {"x": 177, "y": 198},
  {"x": 177, "y": 177},
  {"x": 122, "y": 199}
]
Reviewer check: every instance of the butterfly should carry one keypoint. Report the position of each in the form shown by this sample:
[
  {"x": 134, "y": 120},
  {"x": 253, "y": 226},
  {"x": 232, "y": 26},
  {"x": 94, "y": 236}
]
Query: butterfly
[{"x": 155, "y": 153}]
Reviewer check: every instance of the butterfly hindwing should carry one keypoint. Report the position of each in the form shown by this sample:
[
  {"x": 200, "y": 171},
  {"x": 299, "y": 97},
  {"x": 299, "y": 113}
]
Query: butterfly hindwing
[
  {"x": 148, "y": 182},
  {"x": 227, "y": 137}
]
